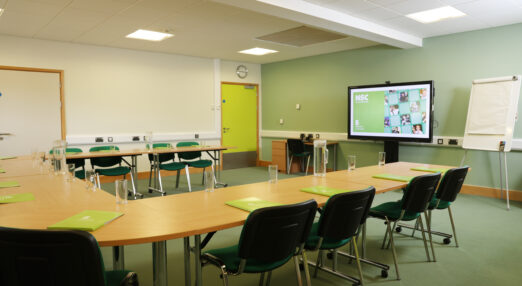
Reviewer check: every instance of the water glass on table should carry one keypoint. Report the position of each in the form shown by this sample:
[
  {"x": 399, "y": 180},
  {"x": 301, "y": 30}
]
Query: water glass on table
[
  {"x": 121, "y": 191},
  {"x": 351, "y": 162},
  {"x": 71, "y": 168},
  {"x": 272, "y": 174},
  {"x": 382, "y": 158},
  {"x": 90, "y": 179},
  {"x": 209, "y": 181}
]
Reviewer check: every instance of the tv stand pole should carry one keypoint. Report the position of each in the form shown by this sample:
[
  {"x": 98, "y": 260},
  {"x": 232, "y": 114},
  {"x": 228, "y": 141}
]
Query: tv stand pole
[{"x": 392, "y": 151}]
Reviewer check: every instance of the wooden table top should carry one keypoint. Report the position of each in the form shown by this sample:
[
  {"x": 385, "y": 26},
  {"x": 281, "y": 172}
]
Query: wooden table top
[
  {"x": 175, "y": 216},
  {"x": 141, "y": 151},
  {"x": 20, "y": 166}
]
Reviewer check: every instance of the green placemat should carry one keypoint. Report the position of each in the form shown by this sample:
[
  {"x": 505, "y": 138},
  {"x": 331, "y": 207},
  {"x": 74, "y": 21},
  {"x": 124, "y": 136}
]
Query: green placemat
[
  {"x": 251, "y": 203},
  {"x": 72, "y": 152},
  {"x": 162, "y": 148},
  {"x": 324, "y": 191},
  {"x": 87, "y": 220},
  {"x": 7, "y": 157},
  {"x": 393, "y": 177},
  {"x": 9, "y": 184},
  {"x": 2, "y": 171},
  {"x": 431, "y": 170},
  {"x": 16, "y": 198}
]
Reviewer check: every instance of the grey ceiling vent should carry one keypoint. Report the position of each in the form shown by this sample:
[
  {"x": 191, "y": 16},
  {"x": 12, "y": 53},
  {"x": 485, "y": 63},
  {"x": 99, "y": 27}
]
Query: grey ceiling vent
[{"x": 301, "y": 36}]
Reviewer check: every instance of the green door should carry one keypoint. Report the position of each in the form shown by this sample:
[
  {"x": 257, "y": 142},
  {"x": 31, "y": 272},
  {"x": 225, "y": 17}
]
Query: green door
[{"x": 239, "y": 120}]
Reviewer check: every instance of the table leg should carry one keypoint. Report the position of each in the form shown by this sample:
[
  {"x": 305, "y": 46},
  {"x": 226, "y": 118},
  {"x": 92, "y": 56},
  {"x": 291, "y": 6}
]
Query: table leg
[
  {"x": 217, "y": 170},
  {"x": 134, "y": 173},
  {"x": 118, "y": 258},
  {"x": 159, "y": 263},
  {"x": 186, "y": 249},
  {"x": 197, "y": 260},
  {"x": 156, "y": 174}
]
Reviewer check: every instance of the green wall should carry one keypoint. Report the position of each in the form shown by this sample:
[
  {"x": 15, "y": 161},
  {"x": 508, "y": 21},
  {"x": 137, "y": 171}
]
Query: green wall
[{"x": 320, "y": 84}]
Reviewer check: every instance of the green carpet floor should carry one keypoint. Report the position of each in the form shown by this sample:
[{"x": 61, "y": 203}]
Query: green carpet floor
[{"x": 490, "y": 240}]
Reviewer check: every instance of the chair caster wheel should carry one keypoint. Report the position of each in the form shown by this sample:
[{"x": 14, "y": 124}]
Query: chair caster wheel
[
  {"x": 398, "y": 229},
  {"x": 384, "y": 273},
  {"x": 447, "y": 241},
  {"x": 301, "y": 267},
  {"x": 150, "y": 191},
  {"x": 329, "y": 255}
]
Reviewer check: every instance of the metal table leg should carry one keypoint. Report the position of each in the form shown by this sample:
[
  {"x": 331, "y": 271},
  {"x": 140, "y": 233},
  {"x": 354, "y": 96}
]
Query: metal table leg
[
  {"x": 156, "y": 174},
  {"x": 134, "y": 173},
  {"x": 197, "y": 259},
  {"x": 159, "y": 264},
  {"x": 216, "y": 156},
  {"x": 118, "y": 258},
  {"x": 186, "y": 250}
]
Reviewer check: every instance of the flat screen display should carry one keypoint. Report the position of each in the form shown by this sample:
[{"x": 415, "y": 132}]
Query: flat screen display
[{"x": 398, "y": 111}]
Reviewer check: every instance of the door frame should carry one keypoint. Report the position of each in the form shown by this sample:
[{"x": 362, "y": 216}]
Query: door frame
[
  {"x": 257, "y": 111},
  {"x": 62, "y": 97}
]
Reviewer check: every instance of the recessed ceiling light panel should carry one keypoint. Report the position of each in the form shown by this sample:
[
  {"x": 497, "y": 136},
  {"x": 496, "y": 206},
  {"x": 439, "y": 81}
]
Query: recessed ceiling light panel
[
  {"x": 149, "y": 35},
  {"x": 257, "y": 51},
  {"x": 434, "y": 15},
  {"x": 1, "y": 11}
]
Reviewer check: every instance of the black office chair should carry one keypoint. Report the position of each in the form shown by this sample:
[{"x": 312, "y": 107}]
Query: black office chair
[
  {"x": 57, "y": 258},
  {"x": 297, "y": 149},
  {"x": 270, "y": 237},
  {"x": 449, "y": 187},
  {"x": 338, "y": 225},
  {"x": 414, "y": 202}
]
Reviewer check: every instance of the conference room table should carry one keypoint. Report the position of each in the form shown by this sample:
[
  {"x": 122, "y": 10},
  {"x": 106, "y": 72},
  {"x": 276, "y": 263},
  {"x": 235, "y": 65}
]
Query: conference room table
[
  {"x": 182, "y": 215},
  {"x": 214, "y": 153}
]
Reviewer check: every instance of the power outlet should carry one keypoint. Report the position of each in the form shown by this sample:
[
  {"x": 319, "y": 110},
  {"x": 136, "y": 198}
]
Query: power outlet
[
  {"x": 98, "y": 139},
  {"x": 281, "y": 121},
  {"x": 135, "y": 138},
  {"x": 453, "y": 142},
  {"x": 196, "y": 136},
  {"x": 440, "y": 141},
  {"x": 109, "y": 139}
]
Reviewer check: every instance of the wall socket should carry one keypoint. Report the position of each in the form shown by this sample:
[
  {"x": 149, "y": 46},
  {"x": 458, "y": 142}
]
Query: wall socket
[
  {"x": 109, "y": 139},
  {"x": 281, "y": 121},
  {"x": 98, "y": 139}
]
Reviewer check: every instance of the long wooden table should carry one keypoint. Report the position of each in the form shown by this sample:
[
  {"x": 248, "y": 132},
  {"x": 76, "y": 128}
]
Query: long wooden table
[{"x": 182, "y": 216}]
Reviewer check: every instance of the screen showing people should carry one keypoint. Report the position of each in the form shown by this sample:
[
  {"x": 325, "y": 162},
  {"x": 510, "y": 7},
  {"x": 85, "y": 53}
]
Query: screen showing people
[{"x": 391, "y": 111}]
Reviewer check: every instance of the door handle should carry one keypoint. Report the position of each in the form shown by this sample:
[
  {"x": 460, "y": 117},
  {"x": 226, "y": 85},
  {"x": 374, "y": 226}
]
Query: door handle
[{"x": 225, "y": 129}]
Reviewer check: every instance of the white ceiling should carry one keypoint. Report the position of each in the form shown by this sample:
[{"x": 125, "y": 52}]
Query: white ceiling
[{"x": 220, "y": 28}]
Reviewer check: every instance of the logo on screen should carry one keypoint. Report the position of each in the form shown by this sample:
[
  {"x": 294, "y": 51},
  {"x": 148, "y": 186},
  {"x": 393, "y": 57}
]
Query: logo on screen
[{"x": 361, "y": 98}]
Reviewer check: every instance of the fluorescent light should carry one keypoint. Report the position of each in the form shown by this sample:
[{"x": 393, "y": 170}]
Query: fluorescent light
[
  {"x": 149, "y": 35},
  {"x": 434, "y": 15},
  {"x": 1, "y": 11},
  {"x": 257, "y": 51}
]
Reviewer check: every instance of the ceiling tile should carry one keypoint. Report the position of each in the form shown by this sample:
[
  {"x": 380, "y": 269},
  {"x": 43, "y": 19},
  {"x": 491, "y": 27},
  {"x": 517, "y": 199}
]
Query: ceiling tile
[
  {"x": 378, "y": 14},
  {"x": 60, "y": 29},
  {"x": 21, "y": 24},
  {"x": 413, "y": 6},
  {"x": 107, "y": 7}
]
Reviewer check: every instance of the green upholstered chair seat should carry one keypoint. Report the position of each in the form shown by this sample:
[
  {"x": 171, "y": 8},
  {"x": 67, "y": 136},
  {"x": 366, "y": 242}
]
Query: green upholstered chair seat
[
  {"x": 117, "y": 171},
  {"x": 199, "y": 163},
  {"x": 114, "y": 277},
  {"x": 229, "y": 256},
  {"x": 304, "y": 154},
  {"x": 442, "y": 204},
  {"x": 313, "y": 239},
  {"x": 80, "y": 174},
  {"x": 172, "y": 166},
  {"x": 391, "y": 210}
]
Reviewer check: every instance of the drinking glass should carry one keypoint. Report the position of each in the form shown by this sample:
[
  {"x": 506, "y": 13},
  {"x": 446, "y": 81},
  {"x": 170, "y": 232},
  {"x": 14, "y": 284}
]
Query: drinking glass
[
  {"x": 121, "y": 191},
  {"x": 209, "y": 181},
  {"x": 382, "y": 158},
  {"x": 351, "y": 162},
  {"x": 272, "y": 174},
  {"x": 70, "y": 172},
  {"x": 90, "y": 179}
]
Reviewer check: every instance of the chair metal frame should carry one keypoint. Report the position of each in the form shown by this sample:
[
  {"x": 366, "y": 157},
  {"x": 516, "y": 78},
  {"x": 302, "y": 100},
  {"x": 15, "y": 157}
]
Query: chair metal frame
[{"x": 292, "y": 156}]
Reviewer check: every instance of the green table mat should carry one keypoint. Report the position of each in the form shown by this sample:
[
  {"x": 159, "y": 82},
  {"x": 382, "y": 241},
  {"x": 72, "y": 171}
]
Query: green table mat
[
  {"x": 72, "y": 152},
  {"x": 7, "y": 157},
  {"x": 324, "y": 191},
  {"x": 162, "y": 148},
  {"x": 16, "y": 198},
  {"x": 432, "y": 170},
  {"x": 88, "y": 220},
  {"x": 393, "y": 177},
  {"x": 251, "y": 203},
  {"x": 9, "y": 184},
  {"x": 2, "y": 171}
]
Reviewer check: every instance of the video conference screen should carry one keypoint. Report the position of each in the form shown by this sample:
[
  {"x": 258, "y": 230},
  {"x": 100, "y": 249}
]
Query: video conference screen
[{"x": 399, "y": 111}]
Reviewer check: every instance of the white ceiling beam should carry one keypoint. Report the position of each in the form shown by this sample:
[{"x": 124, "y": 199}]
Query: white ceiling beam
[{"x": 329, "y": 19}]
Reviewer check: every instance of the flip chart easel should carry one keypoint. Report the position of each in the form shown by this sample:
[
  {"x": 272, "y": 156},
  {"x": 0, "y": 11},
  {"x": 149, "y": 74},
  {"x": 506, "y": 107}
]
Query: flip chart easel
[{"x": 492, "y": 114}]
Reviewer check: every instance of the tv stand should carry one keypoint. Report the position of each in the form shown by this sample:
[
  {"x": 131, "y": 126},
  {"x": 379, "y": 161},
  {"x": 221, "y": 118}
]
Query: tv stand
[{"x": 392, "y": 151}]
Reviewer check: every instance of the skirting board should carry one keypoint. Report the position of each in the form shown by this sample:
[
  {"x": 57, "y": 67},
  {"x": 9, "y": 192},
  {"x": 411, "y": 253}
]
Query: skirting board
[{"x": 514, "y": 195}]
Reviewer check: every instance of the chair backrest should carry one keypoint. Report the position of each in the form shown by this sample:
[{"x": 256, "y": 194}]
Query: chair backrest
[
  {"x": 274, "y": 233},
  {"x": 343, "y": 213},
  {"x": 419, "y": 192},
  {"x": 188, "y": 155},
  {"x": 451, "y": 184},
  {"x": 163, "y": 157},
  {"x": 296, "y": 146},
  {"x": 45, "y": 257},
  {"x": 78, "y": 163},
  {"x": 105, "y": 161}
]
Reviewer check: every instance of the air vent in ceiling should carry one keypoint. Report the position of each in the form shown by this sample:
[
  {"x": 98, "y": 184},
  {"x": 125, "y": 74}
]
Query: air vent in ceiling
[{"x": 301, "y": 36}]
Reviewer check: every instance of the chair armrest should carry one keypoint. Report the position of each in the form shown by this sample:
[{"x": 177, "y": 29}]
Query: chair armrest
[{"x": 131, "y": 279}]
